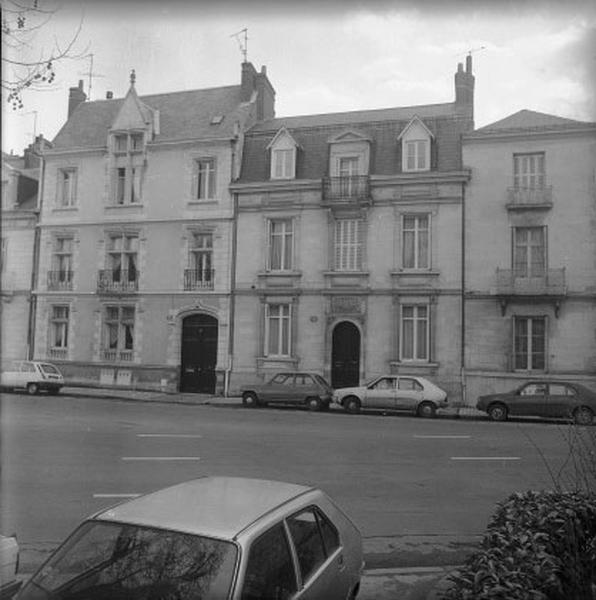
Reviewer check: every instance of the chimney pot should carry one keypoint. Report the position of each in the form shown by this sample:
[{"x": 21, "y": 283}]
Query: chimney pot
[
  {"x": 80, "y": 84},
  {"x": 109, "y": 95},
  {"x": 264, "y": 70}
]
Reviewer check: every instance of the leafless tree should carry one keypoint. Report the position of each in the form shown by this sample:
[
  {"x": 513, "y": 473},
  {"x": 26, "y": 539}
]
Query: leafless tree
[{"x": 28, "y": 59}]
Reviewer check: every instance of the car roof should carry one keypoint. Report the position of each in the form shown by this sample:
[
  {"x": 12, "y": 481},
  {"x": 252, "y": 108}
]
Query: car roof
[{"x": 218, "y": 507}]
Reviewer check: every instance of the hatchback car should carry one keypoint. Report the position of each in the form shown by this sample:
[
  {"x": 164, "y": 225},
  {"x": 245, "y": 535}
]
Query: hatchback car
[
  {"x": 32, "y": 376},
  {"x": 556, "y": 399},
  {"x": 393, "y": 392},
  {"x": 298, "y": 388},
  {"x": 211, "y": 538}
]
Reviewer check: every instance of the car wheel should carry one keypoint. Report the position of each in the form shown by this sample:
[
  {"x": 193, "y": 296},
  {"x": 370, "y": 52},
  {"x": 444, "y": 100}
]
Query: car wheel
[
  {"x": 497, "y": 412},
  {"x": 427, "y": 410},
  {"x": 352, "y": 405},
  {"x": 32, "y": 388},
  {"x": 583, "y": 416},
  {"x": 313, "y": 403},
  {"x": 250, "y": 399}
]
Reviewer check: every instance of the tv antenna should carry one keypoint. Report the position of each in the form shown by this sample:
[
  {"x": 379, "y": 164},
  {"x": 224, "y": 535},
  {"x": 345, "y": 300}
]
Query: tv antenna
[
  {"x": 242, "y": 39},
  {"x": 474, "y": 50},
  {"x": 91, "y": 74}
]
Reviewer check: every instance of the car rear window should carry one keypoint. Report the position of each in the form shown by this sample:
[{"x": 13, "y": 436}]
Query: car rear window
[
  {"x": 123, "y": 561},
  {"x": 322, "y": 381},
  {"x": 46, "y": 368}
]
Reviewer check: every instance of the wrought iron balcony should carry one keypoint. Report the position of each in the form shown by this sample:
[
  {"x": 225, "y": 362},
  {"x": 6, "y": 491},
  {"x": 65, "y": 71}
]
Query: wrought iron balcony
[
  {"x": 60, "y": 280},
  {"x": 119, "y": 282},
  {"x": 58, "y": 353},
  {"x": 525, "y": 197},
  {"x": 551, "y": 282},
  {"x": 353, "y": 189},
  {"x": 118, "y": 355},
  {"x": 201, "y": 279}
]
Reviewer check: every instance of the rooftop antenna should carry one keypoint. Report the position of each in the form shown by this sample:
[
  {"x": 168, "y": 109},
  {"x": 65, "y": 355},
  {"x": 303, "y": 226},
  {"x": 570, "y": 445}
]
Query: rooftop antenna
[
  {"x": 474, "y": 50},
  {"x": 242, "y": 43},
  {"x": 91, "y": 74}
]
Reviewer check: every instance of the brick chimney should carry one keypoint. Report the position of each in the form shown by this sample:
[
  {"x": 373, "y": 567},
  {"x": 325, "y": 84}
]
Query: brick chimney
[
  {"x": 259, "y": 82},
  {"x": 34, "y": 151},
  {"x": 75, "y": 97},
  {"x": 464, "y": 85}
]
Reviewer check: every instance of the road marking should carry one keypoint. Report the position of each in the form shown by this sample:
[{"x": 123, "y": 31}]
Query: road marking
[
  {"x": 443, "y": 437},
  {"x": 485, "y": 458},
  {"x": 168, "y": 435},
  {"x": 116, "y": 495},
  {"x": 161, "y": 458}
]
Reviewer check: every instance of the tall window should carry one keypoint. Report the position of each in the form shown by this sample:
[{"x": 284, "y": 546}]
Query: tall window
[
  {"x": 61, "y": 275},
  {"x": 128, "y": 173},
  {"x": 281, "y": 239},
  {"x": 122, "y": 257},
  {"x": 67, "y": 187},
  {"x": 283, "y": 164},
  {"x": 205, "y": 179},
  {"x": 277, "y": 329},
  {"x": 348, "y": 244},
  {"x": 118, "y": 341},
  {"x": 415, "y": 240},
  {"x": 529, "y": 251},
  {"x": 59, "y": 331},
  {"x": 528, "y": 171},
  {"x": 200, "y": 274},
  {"x": 414, "y": 332},
  {"x": 4, "y": 242},
  {"x": 416, "y": 155},
  {"x": 348, "y": 168},
  {"x": 530, "y": 343}
]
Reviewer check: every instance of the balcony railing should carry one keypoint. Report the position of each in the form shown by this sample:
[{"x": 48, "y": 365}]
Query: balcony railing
[
  {"x": 552, "y": 282},
  {"x": 58, "y": 353},
  {"x": 118, "y": 355},
  {"x": 353, "y": 188},
  {"x": 60, "y": 280},
  {"x": 523, "y": 197},
  {"x": 199, "y": 279},
  {"x": 118, "y": 281}
]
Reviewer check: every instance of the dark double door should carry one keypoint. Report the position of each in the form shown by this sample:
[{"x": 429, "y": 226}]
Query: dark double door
[
  {"x": 345, "y": 355},
  {"x": 199, "y": 354}
]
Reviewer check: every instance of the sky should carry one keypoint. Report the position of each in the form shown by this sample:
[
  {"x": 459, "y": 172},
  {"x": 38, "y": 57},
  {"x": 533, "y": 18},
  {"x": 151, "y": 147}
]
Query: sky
[{"x": 320, "y": 56}]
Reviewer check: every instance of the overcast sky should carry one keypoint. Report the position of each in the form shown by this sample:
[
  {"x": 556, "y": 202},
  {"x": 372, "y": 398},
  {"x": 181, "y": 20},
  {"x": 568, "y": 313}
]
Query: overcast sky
[{"x": 326, "y": 56}]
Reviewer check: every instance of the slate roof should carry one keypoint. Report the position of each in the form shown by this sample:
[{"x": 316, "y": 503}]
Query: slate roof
[
  {"x": 530, "y": 120},
  {"x": 182, "y": 116},
  {"x": 382, "y": 126}
]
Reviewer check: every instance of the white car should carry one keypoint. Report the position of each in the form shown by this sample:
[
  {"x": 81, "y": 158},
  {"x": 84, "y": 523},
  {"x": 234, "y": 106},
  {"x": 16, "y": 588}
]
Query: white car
[
  {"x": 33, "y": 376},
  {"x": 393, "y": 392},
  {"x": 9, "y": 564}
]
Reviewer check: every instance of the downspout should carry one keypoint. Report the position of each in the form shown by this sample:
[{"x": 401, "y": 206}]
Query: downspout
[{"x": 463, "y": 295}]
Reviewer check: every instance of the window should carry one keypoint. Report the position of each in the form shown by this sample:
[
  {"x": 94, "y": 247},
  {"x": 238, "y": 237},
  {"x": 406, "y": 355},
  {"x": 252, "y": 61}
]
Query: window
[
  {"x": 529, "y": 343},
  {"x": 348, "y": 244},
  {"x": 302, "y": 379},
  {"x": 534, "y": 389},
  {"x": 529, "y": 251},
  {"x": 415, "y": 242},
  {"x": 129, "y": 142},
  {"x": 386, "y": 383},
  {"x": 205, "y": 179},
  {"x": 61, "y": 274},
  {"x": 281, "y": 237},
  {"x": 277, "y": 329},
  {"x": 283, "y": 379},
  {"x": 406, "y": 383},
  {"x": 282, "y": 164},
  {"x": 128, "y": 172},
  {"x": 122, "y": 262},
  {"x": 67, "y": 187},
  {"x": 59, "y": 328},
  {"x": 118, "y": 341},
  {"x": 414, "y": 332},
  {"x": 416, "y": 155},
  {"x": 201, "y": 271},
  {"x": 559, "y": 389},
  {"x": 270, "y": 569},
  {"x": 528, "y": 171}
]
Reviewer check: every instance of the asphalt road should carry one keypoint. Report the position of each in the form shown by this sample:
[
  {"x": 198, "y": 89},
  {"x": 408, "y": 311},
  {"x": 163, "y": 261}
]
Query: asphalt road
[{"x": 64, "y": 458}]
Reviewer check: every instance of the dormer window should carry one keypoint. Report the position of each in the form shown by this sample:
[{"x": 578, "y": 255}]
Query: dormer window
[
  {"x": 416, "y": 140},
  {"x": 128, "y": 142},
  {"x": 128, "y": 167},
  {"x": 283, "y": 155}
]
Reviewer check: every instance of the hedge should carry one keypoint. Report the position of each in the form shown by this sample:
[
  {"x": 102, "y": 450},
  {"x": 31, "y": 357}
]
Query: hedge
[{"x": 537, "y": 546}]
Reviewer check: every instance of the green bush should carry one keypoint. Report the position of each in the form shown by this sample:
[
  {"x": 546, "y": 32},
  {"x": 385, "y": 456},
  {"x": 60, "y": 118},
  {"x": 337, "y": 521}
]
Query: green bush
[{"x": 537, "y": 546}]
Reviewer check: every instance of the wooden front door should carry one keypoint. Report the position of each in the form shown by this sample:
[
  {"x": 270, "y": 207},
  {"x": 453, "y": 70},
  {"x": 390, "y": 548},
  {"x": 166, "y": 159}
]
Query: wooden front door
[
  {"x": 345, "y": 355},
  {"x": 199, "y": 354}
]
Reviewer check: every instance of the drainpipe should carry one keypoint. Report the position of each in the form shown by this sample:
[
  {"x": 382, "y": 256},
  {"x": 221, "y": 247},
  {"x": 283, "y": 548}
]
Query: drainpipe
[{"x": 463, "y": 294}]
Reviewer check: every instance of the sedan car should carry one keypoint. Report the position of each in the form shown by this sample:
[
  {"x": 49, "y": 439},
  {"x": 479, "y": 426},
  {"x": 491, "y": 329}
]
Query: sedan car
[
  {"x": 211, "y": 538},
  {"x": 298, "y": 388},
  {"x": 393, "y": 392},
  {"x": 32, "y": 376},
  {"x": 556, "y": 399}
]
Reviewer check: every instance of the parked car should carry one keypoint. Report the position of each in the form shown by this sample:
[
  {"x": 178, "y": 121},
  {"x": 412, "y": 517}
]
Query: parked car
[
  {"x": 299, "y": 388},
  {"x": 33, "y": 376},
  {"x": 557, "y": 399},
  {"x": 393, "y": 392},
  {"x": 9, "y": 566},
  {"x": 211, "y": 538}
]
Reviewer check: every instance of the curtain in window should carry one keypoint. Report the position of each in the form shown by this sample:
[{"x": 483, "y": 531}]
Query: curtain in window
[
  {"x": 538, "y": 343},
  {"x": 348, "y": 244},
  {"x": 120, "y": 185},
  {"x": 280, "y": 245},
  {"x": 278, "y": 324},
  {"x": 136, "y": 185},
  {"x": 415, "y": 242},
  {"x": 421, "y": 333}
]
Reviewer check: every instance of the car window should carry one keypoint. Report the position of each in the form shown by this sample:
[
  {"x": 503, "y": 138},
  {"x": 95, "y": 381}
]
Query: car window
[
  {"x": 559, "y": 389},
  {"x": 385, "y": 383},
  {"x": 534, "y": 389},
  {"x": 304, "y": 380},
  {"x": 308, "y": 541},
  {"x": 406, "y": 383},
  {"x": 270, "y": 571},
  {"x": 322, "y": 381},
  {"x": 47, "y": 368},
  {"x": 280, "y": 378},
  {"x": 329, "y": 533}
]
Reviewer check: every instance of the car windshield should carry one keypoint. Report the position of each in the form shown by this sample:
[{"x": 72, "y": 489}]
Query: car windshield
[
  {"x": 46, "y": 368},
  {"x": 115, "y": 561},
  {"x": 322, "y": 381}
]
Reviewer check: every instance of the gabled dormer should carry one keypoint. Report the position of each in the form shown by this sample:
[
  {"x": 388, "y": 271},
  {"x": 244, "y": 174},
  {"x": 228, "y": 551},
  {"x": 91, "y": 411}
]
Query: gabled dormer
[
  {"x": 283, "y": 150},
  {"x": 416, "y": 139},
  {"x": 349, "y": 154}
]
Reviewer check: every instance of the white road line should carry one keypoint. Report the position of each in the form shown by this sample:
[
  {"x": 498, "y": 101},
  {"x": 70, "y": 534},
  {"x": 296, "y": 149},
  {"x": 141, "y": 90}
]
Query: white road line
[
  {"x": 443, "y": 437},
  {"x": 485, "y": 458},
  {"x": 116, "y": 495},
  {"x": 168, "y": 435},
  {"x": 161, "y": 458}
]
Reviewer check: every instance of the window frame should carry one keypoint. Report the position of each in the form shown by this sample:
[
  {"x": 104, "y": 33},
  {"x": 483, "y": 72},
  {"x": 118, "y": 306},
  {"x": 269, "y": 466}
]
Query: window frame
[
  {"x": 67, "y": 199},
  {"x": 121, "y": 351},
  {"x": 529, "y": 338},
  {"x": 128, "y": 167},
  {"x": 421, "y": 147},
  {"x": 528, "y": 265},
  {"x": 59, "y": 321},
  {"x": 205, "y": 180},
  {"x": 417, "y": 232},
  {"x": 287, "y": 244},
  {"x": 529, "y": 170},
  {"x": 283, "y": 163},
  {"x": 348, "y": 254},
  {"x": 415, "y": 324},
  {"x": 284, "y": 320}
]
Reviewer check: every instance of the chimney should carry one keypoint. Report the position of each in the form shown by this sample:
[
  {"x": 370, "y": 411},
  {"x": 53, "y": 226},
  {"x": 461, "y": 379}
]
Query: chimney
[
  {"x": 247, "y": 84},
  {"x": 266, "y": 96},
  {"x": 464, "y": 85},
  {"x": 109, "y": 95},
  {"x": 75, "y": 97}
]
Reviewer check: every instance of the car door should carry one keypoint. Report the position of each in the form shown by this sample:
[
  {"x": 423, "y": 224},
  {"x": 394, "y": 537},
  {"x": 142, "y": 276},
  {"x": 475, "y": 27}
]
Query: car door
[
  {"x": 380, "y": 393},
  {"x": 560, "y": 400},
  {"x": 409, "y": 393},
  {"x": 12, "y": 377},
  {"x": 277, "y": 389},
  {"x": 304, "y": 386},
  {"x": 530, "y": 400}
]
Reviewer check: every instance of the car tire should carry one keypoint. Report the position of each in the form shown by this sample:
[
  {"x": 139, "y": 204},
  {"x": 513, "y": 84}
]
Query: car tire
[
  {"x": 250, "y": 400},
  {"x": 32, "y": 388},
  {"x": 497, "y": 412},
  {"x": 427, "y": 410},
  {"x": 352, "y": 405},
  {"x": 314, "y": 403},
  {"x": 583, "y": 415}
]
